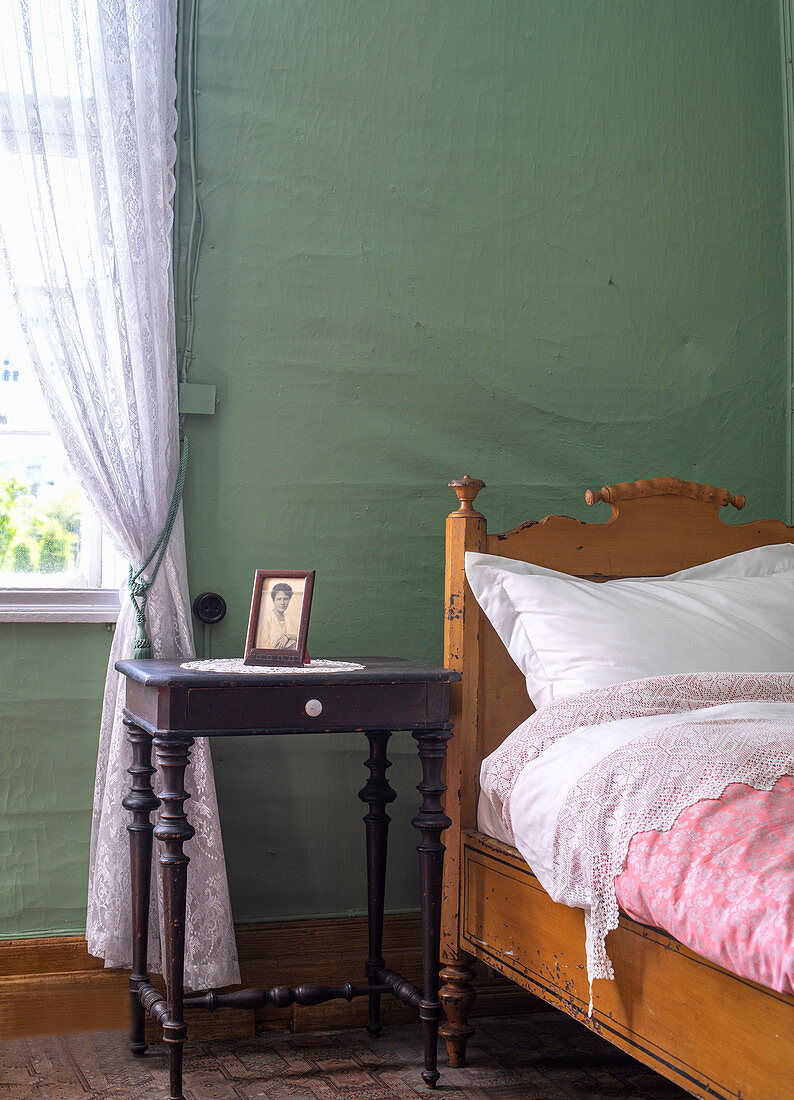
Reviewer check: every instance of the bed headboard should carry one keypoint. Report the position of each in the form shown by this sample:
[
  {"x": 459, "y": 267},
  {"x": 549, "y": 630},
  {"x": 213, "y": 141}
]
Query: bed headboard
[{"x": 656, "y": 527}]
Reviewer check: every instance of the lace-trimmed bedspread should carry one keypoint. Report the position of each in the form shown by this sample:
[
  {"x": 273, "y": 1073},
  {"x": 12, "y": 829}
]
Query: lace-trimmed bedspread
[{"x": 669, "y": 797}]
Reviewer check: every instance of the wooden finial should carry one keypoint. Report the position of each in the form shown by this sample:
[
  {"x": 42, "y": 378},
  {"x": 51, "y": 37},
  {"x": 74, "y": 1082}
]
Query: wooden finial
[
  {"x": 664, "y": 487},
  {"x": 467, "y": 489}
]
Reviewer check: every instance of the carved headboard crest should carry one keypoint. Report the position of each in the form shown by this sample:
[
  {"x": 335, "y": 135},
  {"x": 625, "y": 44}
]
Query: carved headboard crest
[{"x": 663, "y": 487}]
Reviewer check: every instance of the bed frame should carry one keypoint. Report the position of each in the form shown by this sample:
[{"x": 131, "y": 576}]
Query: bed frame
[{"x": 712, "y": 1033}]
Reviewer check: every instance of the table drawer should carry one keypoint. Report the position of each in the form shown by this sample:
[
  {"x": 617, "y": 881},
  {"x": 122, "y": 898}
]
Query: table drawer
[{"x": 306, "y": 708}]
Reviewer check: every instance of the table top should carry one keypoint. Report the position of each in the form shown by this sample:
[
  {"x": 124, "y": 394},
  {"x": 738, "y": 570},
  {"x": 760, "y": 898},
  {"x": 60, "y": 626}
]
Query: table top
[{"x": 377, "y": 670}]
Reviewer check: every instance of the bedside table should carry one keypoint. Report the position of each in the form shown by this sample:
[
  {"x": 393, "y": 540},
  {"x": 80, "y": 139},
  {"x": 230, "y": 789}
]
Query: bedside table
[{"x": 168, "y": 706}]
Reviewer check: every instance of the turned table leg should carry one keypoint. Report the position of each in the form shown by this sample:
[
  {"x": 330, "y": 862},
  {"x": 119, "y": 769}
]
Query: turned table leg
[
  {"x": 377, "y": 794},
  {"x": 141, "y": 800},
  {"x": 172, "y": 830},
  {"x": 431, "y": 821}
]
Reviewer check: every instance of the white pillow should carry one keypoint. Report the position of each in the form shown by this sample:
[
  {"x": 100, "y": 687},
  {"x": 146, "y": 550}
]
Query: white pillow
[{"x": 567, "y": 635}]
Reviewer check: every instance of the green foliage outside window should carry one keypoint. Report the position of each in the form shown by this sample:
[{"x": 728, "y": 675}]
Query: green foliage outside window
[{"x": 37, "y": 537}]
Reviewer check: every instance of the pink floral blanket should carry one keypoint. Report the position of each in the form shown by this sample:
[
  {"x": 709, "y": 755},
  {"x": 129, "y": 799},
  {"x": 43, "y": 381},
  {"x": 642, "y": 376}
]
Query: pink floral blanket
[{"x": 670, "y": 797}]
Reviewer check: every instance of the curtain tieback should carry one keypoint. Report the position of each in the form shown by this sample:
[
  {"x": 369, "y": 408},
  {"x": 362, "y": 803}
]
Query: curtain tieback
[{"x": 138, "y": 584}]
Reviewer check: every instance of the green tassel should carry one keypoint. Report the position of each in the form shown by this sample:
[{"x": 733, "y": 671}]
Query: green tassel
[
  {"x": 139, "y": 595},
  {"x": 143, "y": 647},
  {"x": 139, "y": 586}
]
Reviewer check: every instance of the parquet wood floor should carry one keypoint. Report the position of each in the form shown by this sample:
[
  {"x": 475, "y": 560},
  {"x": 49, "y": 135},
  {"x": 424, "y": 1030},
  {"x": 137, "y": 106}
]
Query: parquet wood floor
[{"x": 539, "y": 1056}]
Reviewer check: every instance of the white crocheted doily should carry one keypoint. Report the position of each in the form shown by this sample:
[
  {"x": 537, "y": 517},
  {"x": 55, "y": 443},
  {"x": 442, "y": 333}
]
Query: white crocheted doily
[{"x": 235, "y": 666}]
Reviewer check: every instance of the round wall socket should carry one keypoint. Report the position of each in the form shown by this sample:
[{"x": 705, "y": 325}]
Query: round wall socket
[{"x": 209, "y": 608}]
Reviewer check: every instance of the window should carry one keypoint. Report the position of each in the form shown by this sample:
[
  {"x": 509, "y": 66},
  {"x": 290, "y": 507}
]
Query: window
[{"x": 56, "y": 563}]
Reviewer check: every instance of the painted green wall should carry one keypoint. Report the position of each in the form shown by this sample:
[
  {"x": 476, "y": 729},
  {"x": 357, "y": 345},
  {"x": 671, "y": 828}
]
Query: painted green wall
[
  {"x": 542, "y": 243},
  {"x": 538, "y": 241},
  {"x": 51, "y": 680}
]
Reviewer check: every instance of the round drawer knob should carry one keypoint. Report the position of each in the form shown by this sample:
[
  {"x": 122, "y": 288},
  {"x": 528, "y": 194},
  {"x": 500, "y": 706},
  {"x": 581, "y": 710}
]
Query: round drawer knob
[{"x": 313, "y": 708}]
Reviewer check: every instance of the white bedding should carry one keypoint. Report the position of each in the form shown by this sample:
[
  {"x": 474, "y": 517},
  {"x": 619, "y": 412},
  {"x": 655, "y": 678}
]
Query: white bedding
[
  {"x": 735, "y": 614},
  {"x": 576, "y": 782}
]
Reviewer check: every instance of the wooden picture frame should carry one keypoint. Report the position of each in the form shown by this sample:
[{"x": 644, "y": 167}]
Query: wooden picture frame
[{"x": 277, "y": 629}]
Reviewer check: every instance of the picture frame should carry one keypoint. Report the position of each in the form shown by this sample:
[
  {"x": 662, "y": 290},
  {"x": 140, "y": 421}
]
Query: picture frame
[{"x": 278, "y": 625}]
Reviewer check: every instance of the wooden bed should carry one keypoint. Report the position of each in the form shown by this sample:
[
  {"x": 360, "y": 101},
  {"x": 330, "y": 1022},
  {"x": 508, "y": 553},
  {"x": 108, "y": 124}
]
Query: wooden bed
[{"x": 712, "y": 1033}]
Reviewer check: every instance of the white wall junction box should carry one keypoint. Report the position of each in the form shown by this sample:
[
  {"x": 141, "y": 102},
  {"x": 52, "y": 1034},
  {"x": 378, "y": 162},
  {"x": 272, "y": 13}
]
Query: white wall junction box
[{"x": 196, "y": 398}]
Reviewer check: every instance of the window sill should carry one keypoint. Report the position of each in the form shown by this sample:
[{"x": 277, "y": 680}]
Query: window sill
[{"x": 59, "y": 605}]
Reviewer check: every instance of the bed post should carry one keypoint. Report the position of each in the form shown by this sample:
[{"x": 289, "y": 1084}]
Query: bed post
[{"x": 465, "y": 531}]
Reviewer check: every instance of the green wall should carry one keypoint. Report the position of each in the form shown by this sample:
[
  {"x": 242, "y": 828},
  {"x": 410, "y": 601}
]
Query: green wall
[
  {"x": 51, "y": 681},
  {"x": 538, "y": 241}
]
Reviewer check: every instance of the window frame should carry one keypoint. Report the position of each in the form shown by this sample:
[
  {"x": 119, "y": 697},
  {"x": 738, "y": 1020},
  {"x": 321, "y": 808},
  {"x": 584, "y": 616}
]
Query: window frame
[{"x": 59, "y": 605}]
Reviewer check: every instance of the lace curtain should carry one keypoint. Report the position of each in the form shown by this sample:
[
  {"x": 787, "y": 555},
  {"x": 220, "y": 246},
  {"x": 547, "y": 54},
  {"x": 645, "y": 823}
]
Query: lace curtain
[{"x": 87, "y": 94}]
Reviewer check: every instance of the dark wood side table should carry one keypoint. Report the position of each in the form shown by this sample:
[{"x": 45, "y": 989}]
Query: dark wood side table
[{"x": 168, "y": 706}]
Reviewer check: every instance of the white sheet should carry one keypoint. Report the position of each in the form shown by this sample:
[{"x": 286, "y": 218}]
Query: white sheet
[
  {"x": 575, "y": 802},
  {"x": 545, "y": 783}
]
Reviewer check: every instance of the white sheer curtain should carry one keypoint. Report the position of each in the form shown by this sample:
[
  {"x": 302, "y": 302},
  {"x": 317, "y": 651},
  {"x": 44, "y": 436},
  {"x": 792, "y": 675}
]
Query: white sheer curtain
[{"x": 87, "y": 94}]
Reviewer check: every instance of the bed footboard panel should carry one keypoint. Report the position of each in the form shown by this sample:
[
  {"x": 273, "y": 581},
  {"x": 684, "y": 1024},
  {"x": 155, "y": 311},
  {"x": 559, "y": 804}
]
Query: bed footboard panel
[{"x": 712, "y": 1033}]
